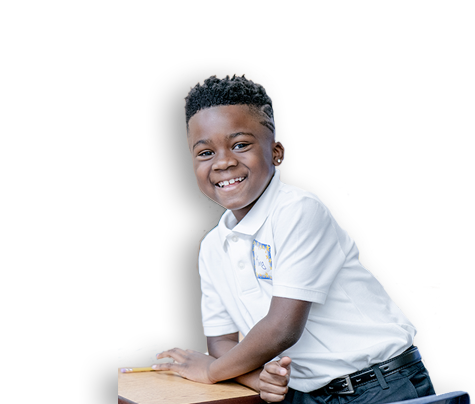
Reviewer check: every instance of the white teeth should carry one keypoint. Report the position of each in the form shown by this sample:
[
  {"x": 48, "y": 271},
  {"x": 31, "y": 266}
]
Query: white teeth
[{"x": 230, "y": 182}]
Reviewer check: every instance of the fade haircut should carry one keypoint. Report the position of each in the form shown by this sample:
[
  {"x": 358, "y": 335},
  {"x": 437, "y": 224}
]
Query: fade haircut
[{"x": 230, "y": 91}]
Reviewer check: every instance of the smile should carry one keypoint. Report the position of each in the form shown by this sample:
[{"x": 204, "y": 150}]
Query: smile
[{"x": 232, "y": 181}]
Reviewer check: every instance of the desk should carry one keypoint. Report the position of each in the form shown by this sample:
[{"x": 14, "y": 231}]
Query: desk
[{"x": 169, "y": 387}]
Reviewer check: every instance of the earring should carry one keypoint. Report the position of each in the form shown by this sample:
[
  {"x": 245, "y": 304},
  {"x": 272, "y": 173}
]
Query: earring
[{"x": 279, "y": 160}]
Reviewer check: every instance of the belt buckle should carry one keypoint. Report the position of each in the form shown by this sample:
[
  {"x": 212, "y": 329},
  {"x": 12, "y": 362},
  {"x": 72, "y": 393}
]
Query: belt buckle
[{"x": 347, "y": 385}]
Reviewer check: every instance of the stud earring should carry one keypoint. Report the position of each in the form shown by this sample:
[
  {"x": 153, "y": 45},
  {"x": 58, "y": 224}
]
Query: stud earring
[{"x": 279, "y": 160}]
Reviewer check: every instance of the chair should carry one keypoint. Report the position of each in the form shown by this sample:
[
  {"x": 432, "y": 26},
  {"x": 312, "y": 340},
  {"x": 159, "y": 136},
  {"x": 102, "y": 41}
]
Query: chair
[{"x": 456, "y": 397}]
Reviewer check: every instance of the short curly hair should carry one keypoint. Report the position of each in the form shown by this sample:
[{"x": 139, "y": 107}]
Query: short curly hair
[{"x": 230, "y": 91}]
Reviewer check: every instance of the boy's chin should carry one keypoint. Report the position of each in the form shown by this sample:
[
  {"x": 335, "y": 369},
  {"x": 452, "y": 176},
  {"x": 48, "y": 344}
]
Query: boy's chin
[{"x": 227, "y": 206}]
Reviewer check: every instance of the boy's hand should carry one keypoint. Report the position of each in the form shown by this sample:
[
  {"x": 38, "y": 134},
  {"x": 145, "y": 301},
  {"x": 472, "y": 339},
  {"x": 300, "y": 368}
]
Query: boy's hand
[
  {"x": 274, "y": 379},
  {"x": 189, "y": 364}
]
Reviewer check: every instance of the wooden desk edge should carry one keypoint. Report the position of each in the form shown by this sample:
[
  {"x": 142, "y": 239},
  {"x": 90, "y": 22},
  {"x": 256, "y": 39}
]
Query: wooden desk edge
[
  {"x": 123, "y": 400},
  {"x": 254, "y": 399}
]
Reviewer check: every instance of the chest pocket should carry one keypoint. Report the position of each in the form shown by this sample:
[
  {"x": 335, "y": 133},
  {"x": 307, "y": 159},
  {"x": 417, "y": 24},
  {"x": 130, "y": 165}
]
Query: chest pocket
[{"x": 262, "y": 260}]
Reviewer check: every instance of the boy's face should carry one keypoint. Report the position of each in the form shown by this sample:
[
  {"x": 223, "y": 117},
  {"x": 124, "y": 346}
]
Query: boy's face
[{"x": 234, "y": 155}]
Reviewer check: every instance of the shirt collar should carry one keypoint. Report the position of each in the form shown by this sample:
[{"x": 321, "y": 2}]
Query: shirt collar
[{"x": 255, "y": 218}]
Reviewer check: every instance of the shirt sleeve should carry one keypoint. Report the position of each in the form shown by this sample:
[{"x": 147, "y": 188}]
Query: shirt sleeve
[
  {"x": 216, "y": 320},
  {"x": 308, "y": 248}
]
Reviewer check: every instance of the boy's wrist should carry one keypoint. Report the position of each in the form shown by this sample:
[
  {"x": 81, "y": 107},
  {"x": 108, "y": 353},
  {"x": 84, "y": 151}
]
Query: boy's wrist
[
  {"x": 211, "y": 373},
  {"x": 250, "y": 379}
]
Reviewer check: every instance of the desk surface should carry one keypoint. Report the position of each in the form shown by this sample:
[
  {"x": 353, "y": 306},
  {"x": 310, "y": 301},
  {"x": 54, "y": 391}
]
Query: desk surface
[{"x": 168, "y": 387}]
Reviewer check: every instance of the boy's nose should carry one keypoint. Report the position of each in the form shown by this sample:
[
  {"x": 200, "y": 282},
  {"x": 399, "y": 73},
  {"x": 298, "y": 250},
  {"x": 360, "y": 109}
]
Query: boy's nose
[{"x": 224, "y": 160}]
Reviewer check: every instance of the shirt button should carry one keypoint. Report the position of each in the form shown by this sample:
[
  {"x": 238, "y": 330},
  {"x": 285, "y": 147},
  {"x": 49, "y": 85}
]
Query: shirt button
[
  {"x": 235, "y": 239},
  {"x": 241, "y": 265}
]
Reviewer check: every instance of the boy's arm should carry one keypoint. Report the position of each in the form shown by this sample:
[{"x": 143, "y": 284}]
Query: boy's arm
[
  {"x": 280, "y": 329},
  {"x": 277, "y": 331},
  {"x": 218, "y": 346}
]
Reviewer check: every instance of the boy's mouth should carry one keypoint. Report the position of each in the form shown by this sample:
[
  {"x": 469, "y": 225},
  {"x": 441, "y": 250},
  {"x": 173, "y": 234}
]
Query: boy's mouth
[{"x": 232, "y": 181}]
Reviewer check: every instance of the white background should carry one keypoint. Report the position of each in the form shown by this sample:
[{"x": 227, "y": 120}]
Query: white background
[{"x": 39, "y": 42}]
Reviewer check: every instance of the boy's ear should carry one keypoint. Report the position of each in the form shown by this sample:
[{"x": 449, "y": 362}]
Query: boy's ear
[{"x": 278, "y": 153}]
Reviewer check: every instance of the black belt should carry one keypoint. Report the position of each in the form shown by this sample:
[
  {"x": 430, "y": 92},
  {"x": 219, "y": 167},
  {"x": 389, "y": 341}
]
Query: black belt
[{"x": 347, "y": 384}]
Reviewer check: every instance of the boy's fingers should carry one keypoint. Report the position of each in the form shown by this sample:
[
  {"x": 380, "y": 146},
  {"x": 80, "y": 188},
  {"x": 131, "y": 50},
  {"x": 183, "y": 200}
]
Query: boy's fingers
[
  {"x": 174, "y": 367},
  {"x": 271, "y": 397},
  {"x": 281, "y": 368},
  {"x": 176, "y": 354},
  {"x": 273, "y": 368},
  {"x": 274, "y": 389},
  {"x": 285, "y": 362},
  {"x": 273, "y": 376},
  {"x": 276, "y": 380},
  {"x": 284, "y": 366}
]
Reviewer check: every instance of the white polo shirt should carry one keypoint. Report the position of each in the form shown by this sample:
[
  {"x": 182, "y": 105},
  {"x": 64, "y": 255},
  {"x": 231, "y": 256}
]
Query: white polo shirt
[{"x": 289, "y": 245}]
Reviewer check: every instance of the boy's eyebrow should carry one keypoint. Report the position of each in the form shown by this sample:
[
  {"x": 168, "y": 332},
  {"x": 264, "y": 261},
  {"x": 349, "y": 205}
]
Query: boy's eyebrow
[{"x": 230, "y": 136}]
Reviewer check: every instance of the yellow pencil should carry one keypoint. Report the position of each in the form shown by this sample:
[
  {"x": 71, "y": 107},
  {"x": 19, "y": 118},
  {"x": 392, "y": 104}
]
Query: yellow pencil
[{"x": 132, "y": 370}]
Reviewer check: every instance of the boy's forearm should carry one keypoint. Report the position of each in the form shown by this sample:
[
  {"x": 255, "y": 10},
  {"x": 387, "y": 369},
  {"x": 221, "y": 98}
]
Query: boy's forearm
[
  {"x": 218, "y": 346},
  {"x": 251, "y": 353},
  {"x": 276, "y": 332}
]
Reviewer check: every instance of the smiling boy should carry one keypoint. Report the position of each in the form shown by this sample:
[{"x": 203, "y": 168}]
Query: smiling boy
[
  {"x": 233, "y": 156},
  {"x": 280, "y": 270}
]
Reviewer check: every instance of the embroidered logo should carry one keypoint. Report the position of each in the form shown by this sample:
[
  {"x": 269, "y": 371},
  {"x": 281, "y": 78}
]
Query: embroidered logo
[{"x": 262, "y": 260}]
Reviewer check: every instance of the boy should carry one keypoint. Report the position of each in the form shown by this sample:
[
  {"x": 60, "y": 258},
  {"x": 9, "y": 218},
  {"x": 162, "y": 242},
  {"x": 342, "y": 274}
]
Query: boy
[{"x": 280, "y": 270}]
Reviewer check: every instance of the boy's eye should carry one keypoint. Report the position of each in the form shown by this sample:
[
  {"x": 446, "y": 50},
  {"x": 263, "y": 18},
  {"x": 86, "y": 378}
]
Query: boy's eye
[
  {"x": 205, "y": 153},
  {"x": 240, "y": 145}
]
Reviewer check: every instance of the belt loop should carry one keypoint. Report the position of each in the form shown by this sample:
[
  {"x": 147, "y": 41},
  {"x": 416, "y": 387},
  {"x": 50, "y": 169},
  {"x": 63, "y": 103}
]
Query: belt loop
[{"x": 380, "y": 377}]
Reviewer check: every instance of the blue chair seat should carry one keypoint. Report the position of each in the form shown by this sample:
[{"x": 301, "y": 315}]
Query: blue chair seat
[{"x": 456, "y": 397}]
